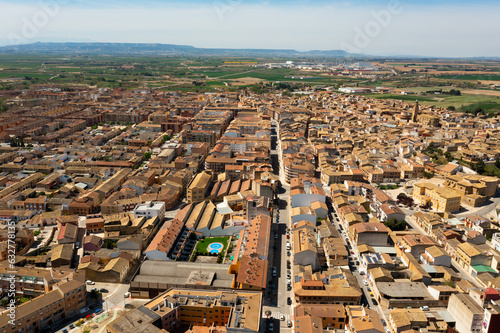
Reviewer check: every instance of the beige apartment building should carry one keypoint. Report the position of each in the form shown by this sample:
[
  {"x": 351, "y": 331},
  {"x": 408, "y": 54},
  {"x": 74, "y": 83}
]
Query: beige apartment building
[{"x": 197, "y": 189}]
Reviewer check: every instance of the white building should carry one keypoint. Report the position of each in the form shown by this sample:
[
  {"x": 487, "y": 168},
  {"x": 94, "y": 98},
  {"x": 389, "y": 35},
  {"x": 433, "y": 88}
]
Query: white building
[{"x": 150, "y": 209}]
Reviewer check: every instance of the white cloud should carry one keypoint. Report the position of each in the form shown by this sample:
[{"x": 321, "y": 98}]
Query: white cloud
[{"x": 436, "y": 31}]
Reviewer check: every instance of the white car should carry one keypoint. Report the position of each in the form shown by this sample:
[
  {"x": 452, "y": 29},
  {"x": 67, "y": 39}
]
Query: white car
[
  {"x": 365, "y": 282},
  {"x": 90, "y": 282},
  {"x": 282, "y": 317}
]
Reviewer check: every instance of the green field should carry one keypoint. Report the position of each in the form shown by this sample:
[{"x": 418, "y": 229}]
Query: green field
[
  {"x": 208, "y": 74},
  {"x": 488, "y": 107},
  {"x": 478, "y": 77}
]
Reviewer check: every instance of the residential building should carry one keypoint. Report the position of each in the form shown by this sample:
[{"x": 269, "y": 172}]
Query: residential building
[{"x": 467, "y": 313}]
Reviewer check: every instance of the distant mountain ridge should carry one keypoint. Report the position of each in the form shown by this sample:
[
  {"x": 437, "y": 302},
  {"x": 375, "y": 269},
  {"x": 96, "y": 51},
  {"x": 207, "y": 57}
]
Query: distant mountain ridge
[{"x": 158, "y": 49}]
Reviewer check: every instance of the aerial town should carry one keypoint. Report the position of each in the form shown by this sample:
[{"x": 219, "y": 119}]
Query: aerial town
[{"x": 141, "y": 210}]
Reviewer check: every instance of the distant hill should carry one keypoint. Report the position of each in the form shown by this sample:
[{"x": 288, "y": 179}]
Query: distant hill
[{"x": 158, "y": 49}]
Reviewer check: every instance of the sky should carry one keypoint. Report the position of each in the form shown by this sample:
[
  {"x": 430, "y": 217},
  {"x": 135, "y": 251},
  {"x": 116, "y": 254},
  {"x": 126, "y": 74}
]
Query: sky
[{"x": 393, "y": 27}]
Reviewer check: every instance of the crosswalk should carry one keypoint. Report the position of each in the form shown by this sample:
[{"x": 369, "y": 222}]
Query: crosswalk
[{"x": 277, "y": 315}]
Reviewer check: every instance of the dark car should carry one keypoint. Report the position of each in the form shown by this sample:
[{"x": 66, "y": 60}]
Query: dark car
[
  {"x": 289, "y": 301},
  {"x": 104, "y": 290},
  {"x": 288, "y": 253},
  {"x": 384, "y": 323},
  {"x": 374, "y": 301},
  {"x": 71, "y": 326}
]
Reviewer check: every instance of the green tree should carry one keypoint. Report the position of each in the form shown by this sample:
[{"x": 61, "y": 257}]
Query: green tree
[
  {"x": 428, "y": 175},
  {"x": 3, "y": 105},
  {"x": 94, "y": 293},
  {"x": 395, "y": 225},
  {"x": 497, "y": 163},
  {"x": 479, "y": 167},
  {"x": 147, "y": 155},
  {"x": 257, "y": 89},
  {"x": 430, "y": 147},
  {"x": 166, "y": 137}
]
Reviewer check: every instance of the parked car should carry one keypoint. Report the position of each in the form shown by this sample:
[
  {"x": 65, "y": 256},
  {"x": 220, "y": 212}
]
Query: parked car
[
  {"x": 85, "y": 309},
  {"x": 289, "y": 301},
  {"x": 374, "y": 301},
  {"x": 93, "y": 289},
  {"x": 365, "y": 282},
  {"x": 104, "y": 290},
  {"x": 274, "y": 270},
  {"x": 282, "y": 317},
  {"x": 384, "y": 322},
  {"x": 71, "y": 326},
  {"x": 126, "y": 295},
  {"x": 289, "y": 323},
  {"x": 288, "y": 287},
  {"x": 288, "y": 253},
  {"x": 90, "y": 282}
]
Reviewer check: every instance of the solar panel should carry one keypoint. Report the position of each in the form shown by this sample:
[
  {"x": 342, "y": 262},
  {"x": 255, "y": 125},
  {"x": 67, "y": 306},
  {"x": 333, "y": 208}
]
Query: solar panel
[{"x": 297, "y": 278}]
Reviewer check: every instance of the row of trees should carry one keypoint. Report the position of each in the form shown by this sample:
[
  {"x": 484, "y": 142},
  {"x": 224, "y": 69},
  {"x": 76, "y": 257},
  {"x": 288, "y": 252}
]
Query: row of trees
[
  {"x": 452, "y": 92},
  {"x": 17, "y": 142}
]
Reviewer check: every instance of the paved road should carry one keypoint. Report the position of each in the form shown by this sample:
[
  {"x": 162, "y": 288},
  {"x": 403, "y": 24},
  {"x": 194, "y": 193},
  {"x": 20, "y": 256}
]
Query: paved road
[
  {"x": 276, "y": 294},
  {"x": 116, "y": 299},
  {"x": 485, "y": 210}
]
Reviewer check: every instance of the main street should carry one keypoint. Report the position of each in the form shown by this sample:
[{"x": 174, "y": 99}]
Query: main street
[{"x": 276, "y": 294}]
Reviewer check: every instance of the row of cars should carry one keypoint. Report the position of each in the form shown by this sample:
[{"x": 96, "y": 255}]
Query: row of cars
[{"x": 80, "y": 322}]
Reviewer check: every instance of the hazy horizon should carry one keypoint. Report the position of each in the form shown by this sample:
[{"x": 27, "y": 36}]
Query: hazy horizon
[{"x": 423, "y": 28}]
